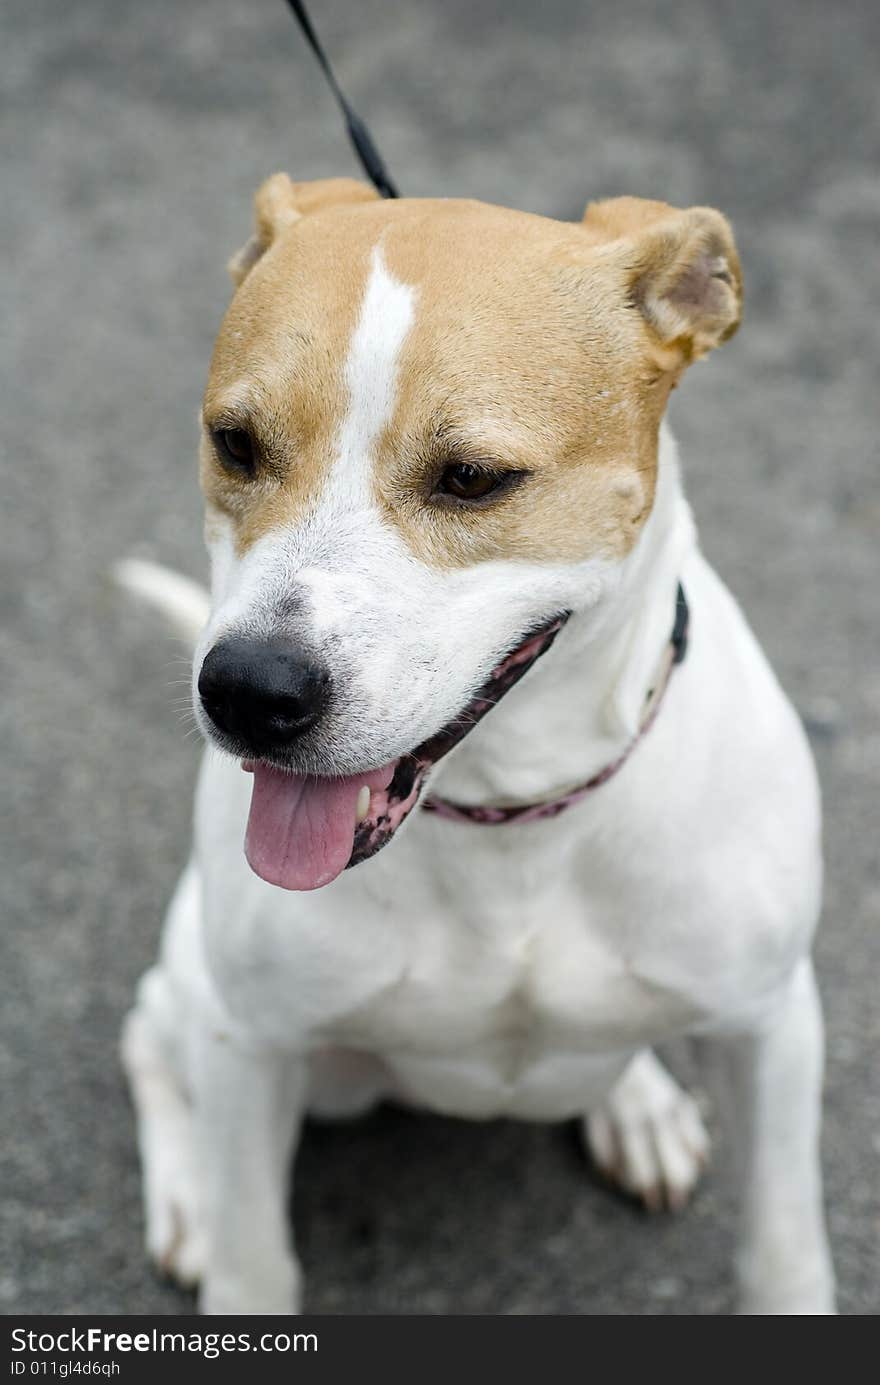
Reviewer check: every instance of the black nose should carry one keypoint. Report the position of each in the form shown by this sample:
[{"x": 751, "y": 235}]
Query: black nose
[{"x": 264, "y": 693}]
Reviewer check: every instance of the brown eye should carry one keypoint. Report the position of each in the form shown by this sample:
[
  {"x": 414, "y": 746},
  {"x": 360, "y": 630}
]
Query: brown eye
[
  {"x": 235, "y": 448},
  {"x": 467, "y": 482}
]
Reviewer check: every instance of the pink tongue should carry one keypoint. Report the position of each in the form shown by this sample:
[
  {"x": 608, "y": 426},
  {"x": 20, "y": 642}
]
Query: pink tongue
[{"x": 300, "y": 832}]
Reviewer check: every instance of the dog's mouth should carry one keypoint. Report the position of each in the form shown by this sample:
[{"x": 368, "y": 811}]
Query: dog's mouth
[{"x": 303, "y": 830}]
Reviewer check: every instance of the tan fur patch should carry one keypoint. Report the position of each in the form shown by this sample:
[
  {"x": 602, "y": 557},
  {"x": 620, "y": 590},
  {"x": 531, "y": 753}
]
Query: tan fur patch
[{"x": 540, "y": 346}]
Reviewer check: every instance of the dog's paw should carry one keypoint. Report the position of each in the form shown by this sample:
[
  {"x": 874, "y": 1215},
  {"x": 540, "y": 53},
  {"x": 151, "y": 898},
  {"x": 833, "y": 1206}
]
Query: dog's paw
[
  {"x": 814, "y": 1298},
  {"x": 175, "y": 1235},
  {"x": 273, "y": 1289},
  {"x": 790, "y": 1275},
  {"x": 648, "y": 1137}
]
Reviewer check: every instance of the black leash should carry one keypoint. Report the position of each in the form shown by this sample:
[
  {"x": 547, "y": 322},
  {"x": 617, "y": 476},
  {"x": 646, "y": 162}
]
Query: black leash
[{"x": 362, "y": 140}]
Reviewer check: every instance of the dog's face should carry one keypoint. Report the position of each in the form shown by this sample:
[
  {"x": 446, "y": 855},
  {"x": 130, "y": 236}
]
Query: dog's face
[{"x": 430, "y": 428}]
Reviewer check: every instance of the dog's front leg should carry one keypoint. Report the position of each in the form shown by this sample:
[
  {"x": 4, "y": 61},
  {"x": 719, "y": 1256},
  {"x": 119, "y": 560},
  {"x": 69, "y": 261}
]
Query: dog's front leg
[
  {"x": 783, "y": 1262},
  {"x": 248, "y": 1109}
]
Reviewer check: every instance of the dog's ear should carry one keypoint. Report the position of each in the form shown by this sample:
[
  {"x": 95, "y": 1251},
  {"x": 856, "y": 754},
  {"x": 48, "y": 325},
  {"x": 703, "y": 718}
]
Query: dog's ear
[
  {"x": 280, "y": 202},
  {"x": 680, "y": 268}
]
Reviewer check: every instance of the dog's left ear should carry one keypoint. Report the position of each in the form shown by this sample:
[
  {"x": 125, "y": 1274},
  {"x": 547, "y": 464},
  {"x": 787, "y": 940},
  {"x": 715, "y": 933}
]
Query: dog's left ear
[
  {"x": 680, "y": 269},
  {"x": 280, "y": 203}
]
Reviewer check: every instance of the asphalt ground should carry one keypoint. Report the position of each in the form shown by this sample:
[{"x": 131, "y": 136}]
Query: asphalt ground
[{"x": 135, "y": 136}]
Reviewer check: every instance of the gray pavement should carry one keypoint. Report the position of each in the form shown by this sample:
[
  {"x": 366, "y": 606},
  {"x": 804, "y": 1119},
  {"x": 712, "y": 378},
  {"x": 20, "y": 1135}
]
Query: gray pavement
[{"x": 135, "y": 136}]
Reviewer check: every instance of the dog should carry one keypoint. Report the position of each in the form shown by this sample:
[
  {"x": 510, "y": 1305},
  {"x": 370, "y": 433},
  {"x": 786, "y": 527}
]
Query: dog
[{"x": 453, "y": 569}]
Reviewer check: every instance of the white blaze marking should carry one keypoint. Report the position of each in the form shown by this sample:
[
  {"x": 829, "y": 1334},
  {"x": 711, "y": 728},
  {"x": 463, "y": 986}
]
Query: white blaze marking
[{"x": 386, "y": 316}]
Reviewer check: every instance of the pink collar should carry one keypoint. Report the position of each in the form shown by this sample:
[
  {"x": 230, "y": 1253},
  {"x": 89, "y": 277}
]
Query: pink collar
[{"x": 492, "y": 815}]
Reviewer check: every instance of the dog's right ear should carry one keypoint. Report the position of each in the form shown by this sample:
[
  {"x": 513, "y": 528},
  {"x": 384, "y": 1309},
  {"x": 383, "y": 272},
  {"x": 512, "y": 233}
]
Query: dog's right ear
[
  {"x": 279, "y": 203},
  {"x": 680, "y": 270}
]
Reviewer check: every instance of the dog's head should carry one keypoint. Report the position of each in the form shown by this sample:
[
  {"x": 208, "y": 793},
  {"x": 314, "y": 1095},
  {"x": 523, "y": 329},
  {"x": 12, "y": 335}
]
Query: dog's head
[{"x": 430, "y": 431}]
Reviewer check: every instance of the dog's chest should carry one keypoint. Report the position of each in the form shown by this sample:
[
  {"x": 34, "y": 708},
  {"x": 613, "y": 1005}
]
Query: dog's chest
[{"x": 523, "y": 1017}]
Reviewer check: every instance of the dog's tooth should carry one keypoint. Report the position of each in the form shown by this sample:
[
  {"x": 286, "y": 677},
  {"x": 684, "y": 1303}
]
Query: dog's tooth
[{"x": 363, "y": 803}]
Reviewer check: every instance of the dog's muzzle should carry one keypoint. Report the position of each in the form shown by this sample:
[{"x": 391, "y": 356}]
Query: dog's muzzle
[{"x": 304, "y": 830}]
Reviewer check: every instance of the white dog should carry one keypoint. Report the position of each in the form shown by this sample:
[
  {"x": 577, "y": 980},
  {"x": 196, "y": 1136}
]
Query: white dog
[{"x": 432, "y": 448}]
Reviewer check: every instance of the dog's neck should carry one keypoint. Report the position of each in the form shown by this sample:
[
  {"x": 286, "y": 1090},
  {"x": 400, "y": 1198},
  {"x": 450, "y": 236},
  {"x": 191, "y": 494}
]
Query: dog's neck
[{"x": 580, "y": 706}]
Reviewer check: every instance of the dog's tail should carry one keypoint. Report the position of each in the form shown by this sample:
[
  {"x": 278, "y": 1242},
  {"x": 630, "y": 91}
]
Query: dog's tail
[{"x": 183, "y": 602}]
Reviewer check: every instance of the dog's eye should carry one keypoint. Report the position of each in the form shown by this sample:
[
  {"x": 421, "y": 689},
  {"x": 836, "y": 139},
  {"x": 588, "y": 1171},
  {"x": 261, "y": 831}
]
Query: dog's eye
[
  {"x": 468, "y": 482},
  {"x": 236, "y": 450}
]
